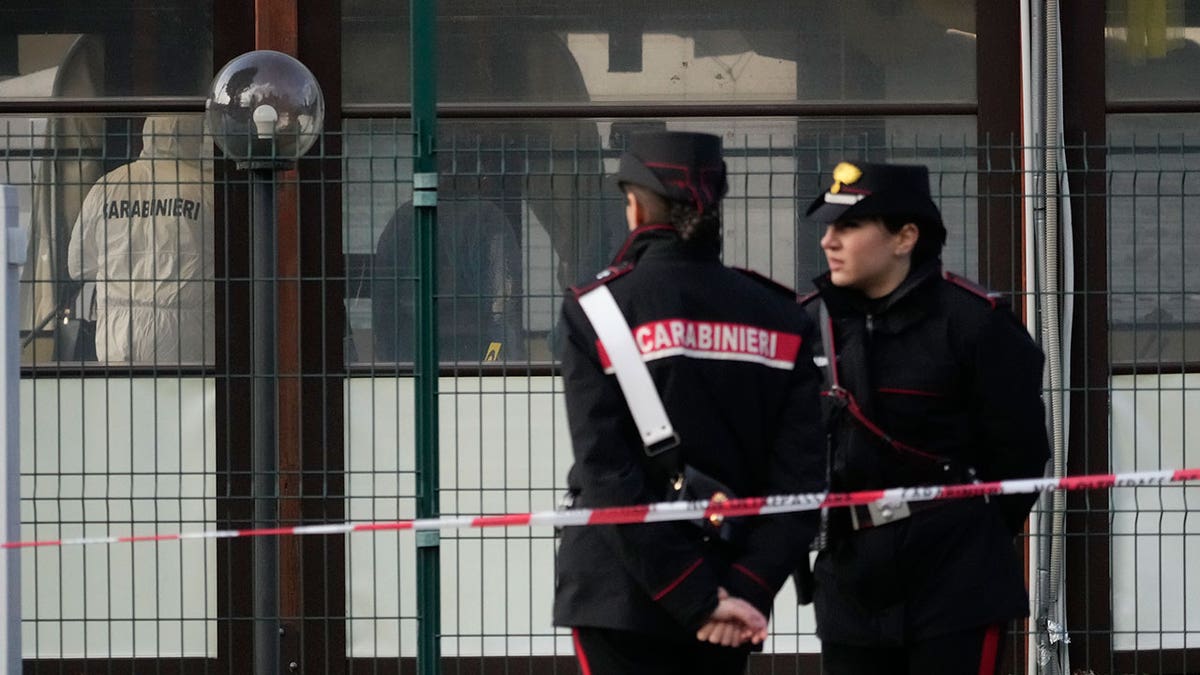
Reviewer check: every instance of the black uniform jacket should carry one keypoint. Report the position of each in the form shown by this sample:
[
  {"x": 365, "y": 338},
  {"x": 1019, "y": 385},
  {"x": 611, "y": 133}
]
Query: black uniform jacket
[
  {"x": 730, "y": 354},
  {"x": 943, "y": 368}
]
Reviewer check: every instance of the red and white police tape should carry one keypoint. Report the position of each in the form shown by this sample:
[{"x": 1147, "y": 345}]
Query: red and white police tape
[{"x": 668, "y": 511}]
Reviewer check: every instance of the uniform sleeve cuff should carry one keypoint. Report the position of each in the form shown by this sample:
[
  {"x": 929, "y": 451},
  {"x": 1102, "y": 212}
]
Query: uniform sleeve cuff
[
  {"x": 692, "y": 597},
  {"x": 744, "y": 583}
]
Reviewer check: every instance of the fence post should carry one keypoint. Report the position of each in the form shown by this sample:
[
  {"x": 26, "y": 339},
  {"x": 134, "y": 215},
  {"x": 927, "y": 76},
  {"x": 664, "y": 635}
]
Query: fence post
[
  {"x": 423, "y": 38},
  {"x": 13, "y": 242},
  {"x": 265, "y": 463}
]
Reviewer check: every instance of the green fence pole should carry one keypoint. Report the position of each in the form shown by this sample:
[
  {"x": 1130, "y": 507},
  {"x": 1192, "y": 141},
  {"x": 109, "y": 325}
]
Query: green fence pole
[
  {"x": 13, "y": 245},
  {"x": 423, "y": 66}
]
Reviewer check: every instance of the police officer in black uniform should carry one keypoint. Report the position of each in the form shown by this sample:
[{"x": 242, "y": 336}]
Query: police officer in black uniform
[
  {"x": 930, "y": 380},
  {"x": 729, "y": 354}
]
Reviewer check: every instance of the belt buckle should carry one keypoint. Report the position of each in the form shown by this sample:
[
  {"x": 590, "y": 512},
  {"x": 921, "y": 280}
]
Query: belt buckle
[{"x": 884, "y": 512}]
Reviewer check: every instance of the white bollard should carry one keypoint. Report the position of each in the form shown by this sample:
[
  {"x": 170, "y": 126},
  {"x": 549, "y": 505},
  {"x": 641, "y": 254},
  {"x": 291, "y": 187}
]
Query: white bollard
[{"x": 13, "y": 243}]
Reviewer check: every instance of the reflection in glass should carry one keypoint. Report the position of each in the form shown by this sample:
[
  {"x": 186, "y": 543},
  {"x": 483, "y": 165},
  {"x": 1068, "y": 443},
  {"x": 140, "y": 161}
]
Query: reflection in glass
[
  {"x": 1153, "y": 243},
  {"x": 478, "y": 279},
  {"x": 125, "y": 49},
  {"x": 66, "y": 153},
  {"x": 777, "y": 50},
  {"x": 1152, "y": 50},
  {"x": 523, "y": 214}
]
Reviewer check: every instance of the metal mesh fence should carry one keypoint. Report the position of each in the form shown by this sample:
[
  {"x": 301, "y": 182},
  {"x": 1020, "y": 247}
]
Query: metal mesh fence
[
  {"x": 158, "y": 440},
  {"x": 1152, "y": 188}
]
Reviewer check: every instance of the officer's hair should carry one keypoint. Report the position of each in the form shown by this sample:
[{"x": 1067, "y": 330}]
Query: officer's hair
[
  {"x": 931, "y": 239},
  {"x": 657, "y": 209},
  {"x": 693, "y": 226}
]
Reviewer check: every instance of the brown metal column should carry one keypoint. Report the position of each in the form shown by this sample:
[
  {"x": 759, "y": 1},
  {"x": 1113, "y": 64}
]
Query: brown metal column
[
  {"x": 1088, "y": 574},
  {"x": 998, "y": 83},
  {"x": 233, "y": 34},
  {"x": 310, "y": 330},
  {"x": 322, "y": 316},
  {"x": 276, "y": 28},
  {"x": 275, "y": 25}
]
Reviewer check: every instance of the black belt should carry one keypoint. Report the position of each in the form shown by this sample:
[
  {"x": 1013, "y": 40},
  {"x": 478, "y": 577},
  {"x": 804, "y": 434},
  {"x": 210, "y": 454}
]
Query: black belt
[{"x": 875, "y": 514}]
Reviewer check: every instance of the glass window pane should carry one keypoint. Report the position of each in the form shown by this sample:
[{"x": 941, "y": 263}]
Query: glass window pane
[
  {"x": 522, "y": 214},
  {"x": 946, "y": 145},
  {"x": 528, "y": 208},
  {"x": 1154, "y": 290},
  {"x": 532, "y": 51},
  {"x": 120, "y": 220},
  {"x": 122, "y": 49},
  {"x": 1152, "y": 49}
]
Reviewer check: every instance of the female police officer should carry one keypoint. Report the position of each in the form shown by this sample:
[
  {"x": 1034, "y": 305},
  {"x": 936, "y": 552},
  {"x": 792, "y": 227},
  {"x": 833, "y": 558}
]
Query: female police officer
[
  {"x": 932, "y": 380},
  {"x": 729, "y": 357}
]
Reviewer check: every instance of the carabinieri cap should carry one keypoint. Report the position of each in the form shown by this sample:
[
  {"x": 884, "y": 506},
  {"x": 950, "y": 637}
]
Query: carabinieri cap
[
  {"x": 876, "y": 190},
  {"x": 679, "y": 166}
]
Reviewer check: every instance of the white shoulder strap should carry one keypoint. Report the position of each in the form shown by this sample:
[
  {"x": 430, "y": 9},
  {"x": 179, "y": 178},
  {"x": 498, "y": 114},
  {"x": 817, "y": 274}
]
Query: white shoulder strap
[
  {"x": 829, "y": 360},
  {"x": 632, "y": 375}
]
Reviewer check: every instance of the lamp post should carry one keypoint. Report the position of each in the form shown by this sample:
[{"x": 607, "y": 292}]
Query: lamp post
[{"x": 265, "y": 110}]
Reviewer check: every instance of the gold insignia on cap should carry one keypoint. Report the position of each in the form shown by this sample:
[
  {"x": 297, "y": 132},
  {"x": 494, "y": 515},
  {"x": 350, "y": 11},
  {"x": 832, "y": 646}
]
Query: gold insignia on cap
[{"x": 844, "y": 173}]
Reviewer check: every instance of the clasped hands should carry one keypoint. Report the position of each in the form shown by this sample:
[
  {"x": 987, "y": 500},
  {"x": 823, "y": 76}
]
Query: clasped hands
[{"x": 733, "y": 623}]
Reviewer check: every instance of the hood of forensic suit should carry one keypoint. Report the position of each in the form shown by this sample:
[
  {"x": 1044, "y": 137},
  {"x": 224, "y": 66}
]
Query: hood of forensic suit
[{"x": 176, "y": 137}]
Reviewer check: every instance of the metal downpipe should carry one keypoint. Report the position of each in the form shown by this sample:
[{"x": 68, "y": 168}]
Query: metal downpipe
[{"x": 1050, "y": 622}]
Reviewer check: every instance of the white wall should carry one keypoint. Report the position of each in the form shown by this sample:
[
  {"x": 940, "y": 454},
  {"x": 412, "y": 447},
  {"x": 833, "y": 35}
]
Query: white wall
[
  {"x": 505, "y": 448},
  {"x": 113, "y": 457},
  {"x": 1155, "y": 543},
  {"x": 104, "y": 457}
]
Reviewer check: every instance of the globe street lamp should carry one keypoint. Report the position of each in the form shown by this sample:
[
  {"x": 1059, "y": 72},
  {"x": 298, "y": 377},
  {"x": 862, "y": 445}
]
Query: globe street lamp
[{"x": 265, "y": 110}]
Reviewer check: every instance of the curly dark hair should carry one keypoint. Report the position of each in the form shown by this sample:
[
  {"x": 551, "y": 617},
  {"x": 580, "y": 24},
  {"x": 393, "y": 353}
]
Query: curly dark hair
[
  {"x": 701, "y": 227},
  {"x": 693, "y": 225}
]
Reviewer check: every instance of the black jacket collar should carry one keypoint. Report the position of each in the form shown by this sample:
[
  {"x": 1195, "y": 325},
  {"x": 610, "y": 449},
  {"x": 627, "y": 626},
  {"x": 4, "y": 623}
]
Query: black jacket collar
[
  {"x": 913, "y": 298},
  {"x": 660, "y": 240}
]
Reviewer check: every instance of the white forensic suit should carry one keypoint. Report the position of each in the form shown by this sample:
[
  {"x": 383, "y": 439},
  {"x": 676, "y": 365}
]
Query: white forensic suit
[{"x": 145, "y": 236}]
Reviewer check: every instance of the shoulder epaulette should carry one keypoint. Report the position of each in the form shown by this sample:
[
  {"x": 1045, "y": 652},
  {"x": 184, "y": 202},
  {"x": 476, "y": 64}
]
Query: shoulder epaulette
[
  {"x": 603, "y": 277},
  {"x": 991, "y": 297},
  {"x": 767, "y": 281}
]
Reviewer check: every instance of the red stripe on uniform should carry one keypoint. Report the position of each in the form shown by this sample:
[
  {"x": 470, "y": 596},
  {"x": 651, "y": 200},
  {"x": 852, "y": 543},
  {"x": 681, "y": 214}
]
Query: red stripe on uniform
[
  {"x": 671, "y": 586},
  {"x": 909, "y": 392},
  {"x": 635, "y": 234},
  {"x": 517, "y": 519},
  {"x": 584, "y": 667},
  {"x": 619, "y": 514},
  {"x": 752, "y": 576},
  {"x": 605, "y": 362},
  {"x": 970, "y": 287},
  {"x": 991, "y": 645}
]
